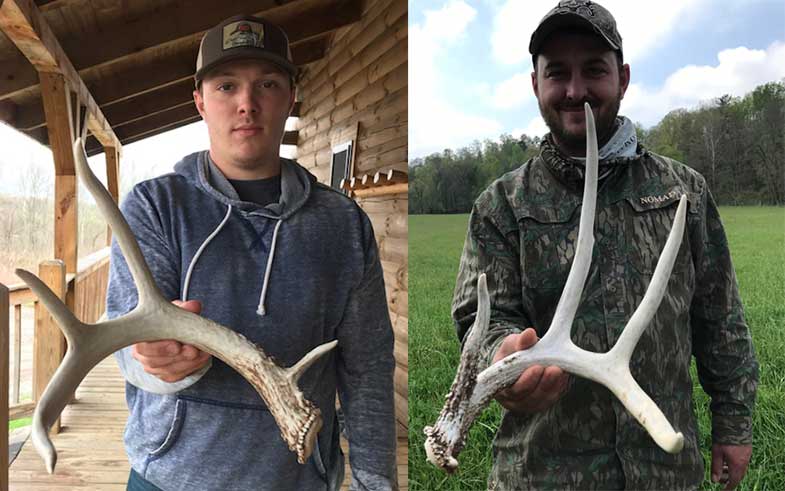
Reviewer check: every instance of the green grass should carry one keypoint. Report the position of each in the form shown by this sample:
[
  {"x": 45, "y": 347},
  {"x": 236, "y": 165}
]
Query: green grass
[
  {"x": 19, "y": 423},
  {"x": 757, "y": 243}
]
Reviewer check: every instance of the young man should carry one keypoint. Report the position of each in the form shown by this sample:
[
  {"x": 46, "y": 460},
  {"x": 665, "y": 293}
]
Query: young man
[
  {"x": 254, "y": 242},
  {"x": 563, "y": 432}
]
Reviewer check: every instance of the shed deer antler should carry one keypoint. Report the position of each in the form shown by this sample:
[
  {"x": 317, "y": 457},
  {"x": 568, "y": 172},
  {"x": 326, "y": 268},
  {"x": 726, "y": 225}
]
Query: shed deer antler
[
  {"x": 471, "y": 393},
  {"x": 155, "y": 318}
]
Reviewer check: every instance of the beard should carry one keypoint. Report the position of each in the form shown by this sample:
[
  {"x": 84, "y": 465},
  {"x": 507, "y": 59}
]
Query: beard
[{"x": 575, "y": 143}]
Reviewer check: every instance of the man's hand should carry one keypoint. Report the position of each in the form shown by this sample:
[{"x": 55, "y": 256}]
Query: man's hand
[
  {"x": 170, "y": 360},
  {"x": 537, "y": 388},
  {"x": 735, "y": 458}
]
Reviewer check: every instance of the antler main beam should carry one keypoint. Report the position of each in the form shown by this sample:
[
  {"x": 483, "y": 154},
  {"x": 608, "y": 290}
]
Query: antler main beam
[
  {"x": 154, "y": 318},
  {"x": 471, "y": 392}
]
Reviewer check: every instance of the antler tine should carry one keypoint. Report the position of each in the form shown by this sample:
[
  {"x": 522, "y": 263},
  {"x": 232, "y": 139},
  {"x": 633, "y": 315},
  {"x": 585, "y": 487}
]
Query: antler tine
[
  {"x": 57, "y": 394},
  {"x": 656, "y": 290},
  {"x": 296, "y": 370},
  {"x": 68, "y": 323},
  {"x": 443, "y": 439},
  {"x": 143, "y": 279},
  {"x": 618, "y": 379},
  {"x": 581, "y": 263}
]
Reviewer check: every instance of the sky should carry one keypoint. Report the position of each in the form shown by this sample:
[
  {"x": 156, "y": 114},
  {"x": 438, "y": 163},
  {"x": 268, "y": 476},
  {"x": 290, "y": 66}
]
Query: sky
[{"x": 470, "y": 69}]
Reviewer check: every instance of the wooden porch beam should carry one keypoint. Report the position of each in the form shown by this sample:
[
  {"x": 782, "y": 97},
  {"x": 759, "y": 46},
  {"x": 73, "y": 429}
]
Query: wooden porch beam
[
  {"x": 112, "y": 181},
  {"x": 24, "y": 25},
  {"x": 290, "y": 138},
  {"x": 57, "y": 104},
  {"x": 58, "y": 109},
  {"x": 48, "y": 340},
  {"x": 8, "y": 110}
]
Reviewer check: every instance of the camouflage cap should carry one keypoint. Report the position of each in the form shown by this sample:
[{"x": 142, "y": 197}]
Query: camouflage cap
[
  {"x": 577, "y": 13},
  {"x": 244, "y": 37}
]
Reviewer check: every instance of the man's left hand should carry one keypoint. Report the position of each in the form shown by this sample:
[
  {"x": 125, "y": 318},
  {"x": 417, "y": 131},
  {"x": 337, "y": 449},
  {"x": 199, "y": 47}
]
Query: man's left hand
[{"x": 735, "y": 457}]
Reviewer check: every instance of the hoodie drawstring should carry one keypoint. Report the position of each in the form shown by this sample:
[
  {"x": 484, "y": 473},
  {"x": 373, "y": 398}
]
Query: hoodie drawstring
[
  {"x": 202, "y": 247},
  {"x": 261, "y": 309}
]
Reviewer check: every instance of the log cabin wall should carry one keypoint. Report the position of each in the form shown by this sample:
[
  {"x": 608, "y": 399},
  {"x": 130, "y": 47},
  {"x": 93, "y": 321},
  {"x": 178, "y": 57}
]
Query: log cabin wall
[{"x": 359, "y": 91}]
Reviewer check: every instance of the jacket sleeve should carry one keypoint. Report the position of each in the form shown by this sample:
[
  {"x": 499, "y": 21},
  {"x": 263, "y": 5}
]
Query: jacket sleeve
[
  {"x": 727, "y": 368},
  {"x": 121, "y": 295},
  {"x": 492, "y": 247},
  {"x": 365, "y": 376}
]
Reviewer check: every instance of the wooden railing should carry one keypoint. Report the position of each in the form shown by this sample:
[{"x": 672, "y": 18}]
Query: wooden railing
[
  {"x": 88, "y": 287},
  {"x": 19, "y": 297}
]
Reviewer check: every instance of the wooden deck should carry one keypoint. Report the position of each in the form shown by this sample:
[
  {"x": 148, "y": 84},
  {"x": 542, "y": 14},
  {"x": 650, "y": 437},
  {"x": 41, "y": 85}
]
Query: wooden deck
[{"x": 90, "y": 446}]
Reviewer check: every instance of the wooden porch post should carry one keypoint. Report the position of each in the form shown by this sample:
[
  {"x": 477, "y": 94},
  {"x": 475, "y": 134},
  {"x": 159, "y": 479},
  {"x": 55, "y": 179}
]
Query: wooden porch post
[
  {"x": 112, "y": 181},
  {"x": 48, "y": 351},
  {"x": 60, "y": 122},
  {"x": 57, "y": 106},
  {"x": 4, "y": 387}
]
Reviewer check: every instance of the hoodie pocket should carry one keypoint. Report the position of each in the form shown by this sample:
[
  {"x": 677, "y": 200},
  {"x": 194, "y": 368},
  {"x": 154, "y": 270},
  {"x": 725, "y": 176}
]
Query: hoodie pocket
[
  {"x": 173, "y": 433},
  {"x": 214, "y": 445}
]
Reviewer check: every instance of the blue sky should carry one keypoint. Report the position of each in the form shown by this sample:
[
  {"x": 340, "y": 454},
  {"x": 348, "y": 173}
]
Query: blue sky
[{"x": 469, "y": 66}]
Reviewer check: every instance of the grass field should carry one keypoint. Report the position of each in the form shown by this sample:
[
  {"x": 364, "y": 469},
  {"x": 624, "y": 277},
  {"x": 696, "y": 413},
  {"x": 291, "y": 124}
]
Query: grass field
[{"x": 757, "y": 242}]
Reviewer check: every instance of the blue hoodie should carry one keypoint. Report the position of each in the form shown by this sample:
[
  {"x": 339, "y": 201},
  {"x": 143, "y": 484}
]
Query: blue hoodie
[{"x": 288, "y": 276}]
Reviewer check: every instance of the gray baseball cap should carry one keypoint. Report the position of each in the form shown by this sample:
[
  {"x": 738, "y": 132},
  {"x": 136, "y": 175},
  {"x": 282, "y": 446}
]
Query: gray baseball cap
[
  {"x": 577, "y": 13},
  {"x": 244, "y": 37}
]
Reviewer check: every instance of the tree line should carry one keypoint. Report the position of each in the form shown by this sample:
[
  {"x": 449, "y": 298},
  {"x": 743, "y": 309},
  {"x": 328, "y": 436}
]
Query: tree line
[{"x": 737, "y": 143}]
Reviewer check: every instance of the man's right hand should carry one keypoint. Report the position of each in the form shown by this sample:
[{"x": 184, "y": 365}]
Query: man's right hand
[
  {"x": 170, "y": 360},
  {"x": 537, "y": 388}
]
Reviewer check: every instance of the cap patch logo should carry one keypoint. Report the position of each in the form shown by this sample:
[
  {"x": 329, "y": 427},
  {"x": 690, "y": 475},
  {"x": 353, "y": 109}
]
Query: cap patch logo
[
  {"x": 243, "y": 34},
  {"x": 584, "y": 8}
]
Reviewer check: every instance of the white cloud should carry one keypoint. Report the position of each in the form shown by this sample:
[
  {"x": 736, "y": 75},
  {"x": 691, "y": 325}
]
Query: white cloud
[
  {"x": 449, "y": 23},
  {"x": 514, "y": 92},
  {"x": 738, "y": 71},
  {"x": 641, "y": 24},
  {"x": 537, "y": 127},
  {"x": 513, "y": 25},
  {"x": 434, "y": 124}
]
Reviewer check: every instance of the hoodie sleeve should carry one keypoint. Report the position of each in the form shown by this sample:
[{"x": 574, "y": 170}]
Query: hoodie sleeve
[
  {"x": 141, "y": 213},
  {"x": 365, "y": 376}
]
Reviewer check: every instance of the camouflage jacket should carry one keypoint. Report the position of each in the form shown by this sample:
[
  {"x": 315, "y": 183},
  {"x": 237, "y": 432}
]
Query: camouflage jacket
[{"x": 522, "y": 232}]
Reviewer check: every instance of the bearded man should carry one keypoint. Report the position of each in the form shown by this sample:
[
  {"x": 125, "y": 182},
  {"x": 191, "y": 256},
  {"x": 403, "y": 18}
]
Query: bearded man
[{"x": 563, "y": 432}]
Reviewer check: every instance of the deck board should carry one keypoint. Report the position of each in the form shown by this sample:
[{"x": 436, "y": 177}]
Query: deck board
[{"x": 90, "y": 449}]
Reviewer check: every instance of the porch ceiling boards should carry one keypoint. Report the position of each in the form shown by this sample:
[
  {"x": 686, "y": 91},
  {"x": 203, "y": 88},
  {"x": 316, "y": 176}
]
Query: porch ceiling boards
[{"x": 137, "y": 58}]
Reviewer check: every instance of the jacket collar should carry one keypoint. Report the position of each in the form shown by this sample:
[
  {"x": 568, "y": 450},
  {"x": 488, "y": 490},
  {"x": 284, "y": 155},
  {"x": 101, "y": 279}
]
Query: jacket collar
[
  {"x": 571, "y": 171},
  {"x": 296, "y": 186}
]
